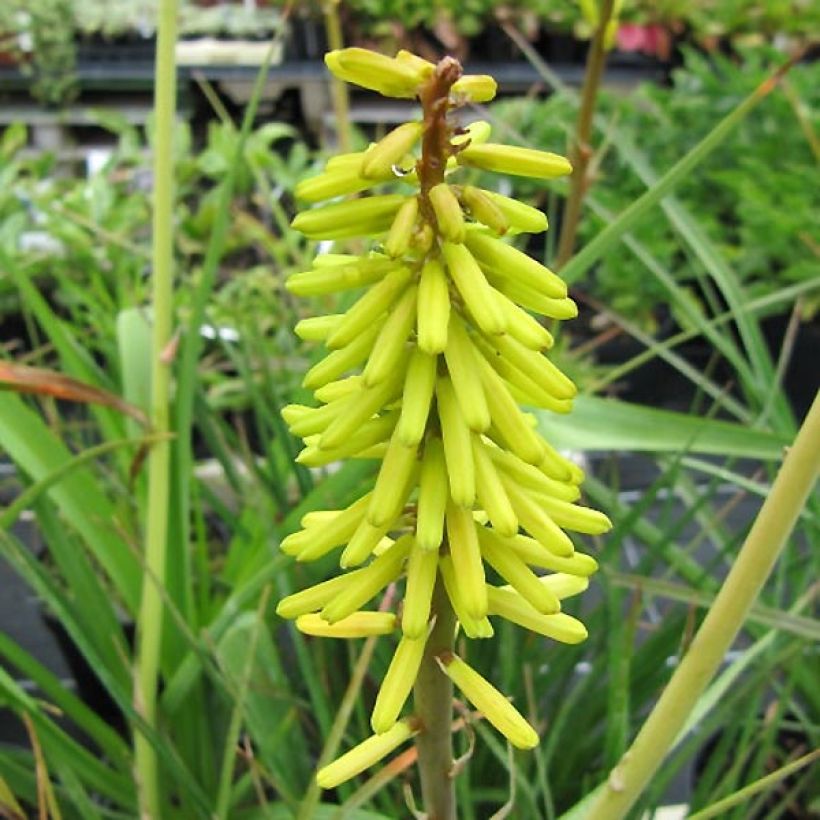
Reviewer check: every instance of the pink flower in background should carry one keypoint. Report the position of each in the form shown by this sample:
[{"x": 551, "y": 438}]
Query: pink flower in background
[{"x": 647, "y": 39}]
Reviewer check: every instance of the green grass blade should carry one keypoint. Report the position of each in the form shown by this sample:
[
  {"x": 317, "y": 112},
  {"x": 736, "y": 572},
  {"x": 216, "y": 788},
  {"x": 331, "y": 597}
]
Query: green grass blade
[
  {"x": 634, "y": 213},
  {"x": 607, "y": 424},
  {"x": 39, "y": 454}
]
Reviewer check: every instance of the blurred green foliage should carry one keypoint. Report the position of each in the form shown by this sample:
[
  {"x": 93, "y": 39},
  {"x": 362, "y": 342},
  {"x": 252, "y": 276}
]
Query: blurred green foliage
[{"x": 751, "y": 195}]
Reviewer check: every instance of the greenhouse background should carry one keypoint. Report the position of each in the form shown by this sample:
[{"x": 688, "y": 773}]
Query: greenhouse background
[{"x": 688, "y": 237}]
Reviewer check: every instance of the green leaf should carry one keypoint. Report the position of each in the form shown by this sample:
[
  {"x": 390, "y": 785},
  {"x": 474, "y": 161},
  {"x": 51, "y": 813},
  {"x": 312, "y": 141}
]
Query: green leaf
[{"x": 608, "y": 424}]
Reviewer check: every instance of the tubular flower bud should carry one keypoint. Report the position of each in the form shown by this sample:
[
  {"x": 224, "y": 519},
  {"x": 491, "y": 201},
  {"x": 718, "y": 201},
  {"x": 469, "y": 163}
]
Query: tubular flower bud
[
  {"x": 510, "y": 159},
  {"x": 476, "y": 87},
  {"x": 379, "y": 161},
  {"x": 366, "y": 754},
  {"x": 490, "y": 702},
  {"x": 424, "y": 373}
]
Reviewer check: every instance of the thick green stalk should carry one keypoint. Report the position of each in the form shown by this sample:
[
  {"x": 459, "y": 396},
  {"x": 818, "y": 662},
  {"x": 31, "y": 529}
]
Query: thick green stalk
[
  {"x": 433, "y": 706},
  {"x": 757, "y": 557},
  {"x": 149, "y": 623},
  {"x": 581, "y": 151}
]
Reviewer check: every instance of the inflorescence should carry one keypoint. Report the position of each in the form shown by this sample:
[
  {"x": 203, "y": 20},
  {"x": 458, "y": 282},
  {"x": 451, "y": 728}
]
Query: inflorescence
[{"x": 426, "y": 372}]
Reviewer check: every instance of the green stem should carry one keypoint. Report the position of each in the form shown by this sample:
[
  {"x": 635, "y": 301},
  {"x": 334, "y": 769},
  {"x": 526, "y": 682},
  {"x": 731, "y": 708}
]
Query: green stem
[
  {"x": 761, "y": 549},
  {"x": 149, "y": 623},
  {"x": 433, "y": 703},
  {"x": 581, "y": 151},
  {"x": 338, "y": 89}
]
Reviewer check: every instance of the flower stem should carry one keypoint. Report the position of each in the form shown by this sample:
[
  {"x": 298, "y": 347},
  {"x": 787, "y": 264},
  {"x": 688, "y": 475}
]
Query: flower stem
[
  {"x": 149, "y": 621},
  {"x": 761, "y": 549},
  {"x": 581, "y": 151},
  {"x": 433, "y": 699}
]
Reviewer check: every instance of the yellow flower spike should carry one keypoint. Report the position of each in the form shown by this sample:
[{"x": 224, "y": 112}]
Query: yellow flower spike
[
  {"x": 343, "y": 220},
  {"x": 418, "y": 394},
  {"x": 388, "y": 499},
  {"x": 466, "y": 556},
  {"x": 512, "y": 607},
  {"x": 378, "y": 162},
  {"x": 421, "y": 578},
  {"x": 484, "y": 209},
  {"x": 478, "y": 88},
  {"x": 521, "y": 217},
  {"x": 510, "y": 159},
  {"x": 448, "y": 213},
  {"x": 369, "y": 308},
  {"x": 390, "y": 345},
  {"x": 367, "y": 582},
  {"x": 397, "y": 683},
  {"x": 489, "y": 701},
  {"x": 320, "y": 540},
  {"x": 473, "y": 627},
  {"x": 458, "y": 452},
  {"x": 366, "y": 754},
  {"x": 357, "y": 625},
  {"x": 388, "y": 76},
  {"x": 525, "y": 582},
  {"x": 426, "y": 373},
  {"x": 433, "y": 308},
  {"x": 460, "y": 356},
  {"x": 342, "y": 360},
  {"x": 401, "y": 230},
  {"x": 490, "y": 492},
  {"x": 474, "y": 288},
  {"x": 433, "y": 491},
  {"x": 513, "y": 264},
  {"x": 317, "y": 328}
]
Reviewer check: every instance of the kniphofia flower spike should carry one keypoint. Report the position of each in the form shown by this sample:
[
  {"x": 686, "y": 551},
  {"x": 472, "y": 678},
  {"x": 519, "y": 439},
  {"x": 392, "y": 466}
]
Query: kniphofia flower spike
[{"x": 426, "y": 372}]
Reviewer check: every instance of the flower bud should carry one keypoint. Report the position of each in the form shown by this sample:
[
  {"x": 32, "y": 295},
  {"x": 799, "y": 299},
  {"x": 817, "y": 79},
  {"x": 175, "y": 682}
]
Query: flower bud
[
  {"x": 489, "y": 701},
  {"x": 510, "y": 159},
  {"x": 365, "y": 755},
  {"x": 390, "y": 77}
]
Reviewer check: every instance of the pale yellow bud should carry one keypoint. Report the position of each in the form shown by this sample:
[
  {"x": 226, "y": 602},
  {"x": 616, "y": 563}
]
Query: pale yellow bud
[
  {"x": 357, "y": 625},
  {"x": 558, "y": 626},
  {"x": 489, "y": 701},
  {"x": 378, "y": 162},
  {"x": 397, "y": 683},
  {"x": 365, "y": 755},
  {"x": 390, "y": 77},
  {"x": 448, "y": 213},
  {"x": 510, "y": 159},
  {"x": 477, "y": 88}
]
